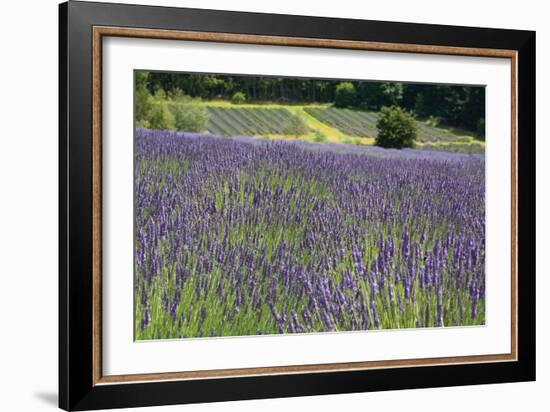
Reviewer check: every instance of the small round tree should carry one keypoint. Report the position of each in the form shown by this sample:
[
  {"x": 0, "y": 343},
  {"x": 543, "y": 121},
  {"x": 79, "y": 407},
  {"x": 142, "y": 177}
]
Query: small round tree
[
  {"x": 345, "y": 95},
  {"x": 238, "y": 98},
  {"x": 396, "y": 128}
]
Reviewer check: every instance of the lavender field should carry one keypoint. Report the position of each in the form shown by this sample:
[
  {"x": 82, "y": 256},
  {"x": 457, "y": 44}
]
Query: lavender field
[{"x": 250, "y": 236}]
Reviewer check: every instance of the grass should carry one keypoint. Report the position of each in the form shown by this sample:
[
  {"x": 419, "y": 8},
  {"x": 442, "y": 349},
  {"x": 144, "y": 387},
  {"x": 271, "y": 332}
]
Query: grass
[{"x": 472, "y": 146}]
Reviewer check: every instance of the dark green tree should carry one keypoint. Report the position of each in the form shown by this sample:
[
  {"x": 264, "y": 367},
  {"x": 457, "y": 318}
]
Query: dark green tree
[
  {"x": 392, "y": 92},
  {"x": 396, "y": 128},
  {"x": 345, "y": 95}
]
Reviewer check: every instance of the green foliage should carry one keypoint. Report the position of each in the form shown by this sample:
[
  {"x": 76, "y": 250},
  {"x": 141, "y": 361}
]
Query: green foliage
[
  {"x": 190, "y": 117},
  {"x": 374, "y": 95},
  {"x": 462, "y": 139},
  {"x": 396, "y": 128},
  {"x": 455, "y": 147},
  {"x": 393, "y": 92},
  {"x": 419, "y": 106},
  {"x": 296, "y": 126},
  {"x": 345, "y": 95},
  {"x": 143, "y": 101},
  {"x": 238, "y": 98},
  {"x": 160, "y": 94},
  {"x": 143, "y": 123},
  {"x": 172, "y": 111},
  {"x": 319, "y": 136},
  {"x": 160, "y": 117},
  {"x": 460, "y": 106},
  {"x": 177, "y": 95},
  {"x": 481, "y": 129},
  {"x": 454, "y": 106}
]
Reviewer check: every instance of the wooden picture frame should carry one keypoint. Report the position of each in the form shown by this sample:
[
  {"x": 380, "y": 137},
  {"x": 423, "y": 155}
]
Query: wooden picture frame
[{"x": 83, "y": 26}]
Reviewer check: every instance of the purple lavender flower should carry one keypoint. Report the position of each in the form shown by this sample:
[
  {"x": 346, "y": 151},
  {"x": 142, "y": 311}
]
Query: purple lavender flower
[
  {"x": 238, "y": 227},
  {"x": 146, "y": 319}
]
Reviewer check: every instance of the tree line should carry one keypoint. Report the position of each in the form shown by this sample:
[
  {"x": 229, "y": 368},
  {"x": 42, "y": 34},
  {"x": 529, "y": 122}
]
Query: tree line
[{"x": 456, "y": 106}]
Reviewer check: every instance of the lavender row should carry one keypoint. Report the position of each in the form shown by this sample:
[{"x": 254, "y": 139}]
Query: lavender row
[{"x": 363, "y": 124}]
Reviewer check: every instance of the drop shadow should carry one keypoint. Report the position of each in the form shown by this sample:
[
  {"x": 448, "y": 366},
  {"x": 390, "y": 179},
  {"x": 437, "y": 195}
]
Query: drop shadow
[{"x": 49, "y": 398}]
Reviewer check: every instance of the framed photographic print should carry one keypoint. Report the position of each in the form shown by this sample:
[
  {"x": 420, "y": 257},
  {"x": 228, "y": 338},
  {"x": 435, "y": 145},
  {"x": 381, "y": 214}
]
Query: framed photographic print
[{"x": 257, "y": 205}]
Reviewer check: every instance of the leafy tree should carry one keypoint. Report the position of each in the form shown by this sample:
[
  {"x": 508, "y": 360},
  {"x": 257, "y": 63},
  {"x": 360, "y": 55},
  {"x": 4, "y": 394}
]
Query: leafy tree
[
  {"x": 142, "y": 97},
  {"x": 473, "y": 108},
  {"x": 177, "y": 95},
  {"x": 190, "y": 117},
  {"x": 396, "y": 128},
  {"x": 160, "y": 94},
  {"x": 238, "y": 98},
  {"x": 345, "y": 95},
  {"x": 160, "y": 117},
  {"x": 393, "y": 93},
  {"x": 370, "y": 95},
  {"x": 296, "y": 126},
  {"x": 374, "y": 95}
]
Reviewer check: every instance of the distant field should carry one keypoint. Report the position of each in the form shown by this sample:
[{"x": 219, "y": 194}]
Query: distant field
[
  {"x": 350, "y": 122},
  {"x": 227, "y": 121},
  {"x": 358, "y": 123},
  {"x": 251, "y": 120}
]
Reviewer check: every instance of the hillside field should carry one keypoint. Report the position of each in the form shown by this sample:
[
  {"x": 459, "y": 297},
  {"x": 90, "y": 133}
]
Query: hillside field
[{"x": 325, "y": 123}]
